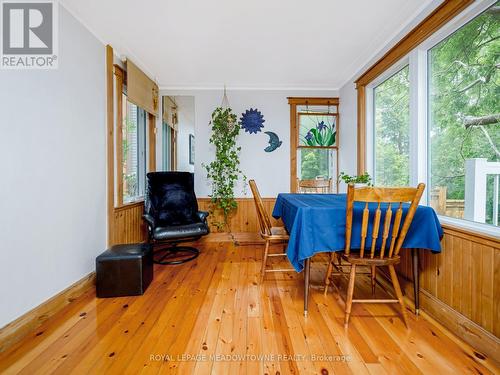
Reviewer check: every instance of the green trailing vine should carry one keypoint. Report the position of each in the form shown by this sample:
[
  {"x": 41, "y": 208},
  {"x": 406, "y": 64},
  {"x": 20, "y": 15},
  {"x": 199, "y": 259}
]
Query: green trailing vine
[{"x": 225, "y": 170}]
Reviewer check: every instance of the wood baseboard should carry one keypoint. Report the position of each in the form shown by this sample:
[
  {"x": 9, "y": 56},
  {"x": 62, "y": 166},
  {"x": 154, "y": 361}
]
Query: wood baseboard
[
  {"x": 15, "y": 331},
  {"x": 456, "y": 326}
]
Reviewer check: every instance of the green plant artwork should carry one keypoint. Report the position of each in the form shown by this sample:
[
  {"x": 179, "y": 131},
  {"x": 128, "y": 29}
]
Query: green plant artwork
[
  {"x": 225, "y": 170},
  {"x": 317, "y": 129}
]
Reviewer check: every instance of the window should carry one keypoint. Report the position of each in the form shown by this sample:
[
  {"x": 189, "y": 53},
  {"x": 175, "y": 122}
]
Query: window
[
  {"x": 317, "y": 143},
  {"x": 391, "y": 105},
  {"x": 434, "y": 117},
  {"x": 133, "y": 151},
  {"x": 314, "y": 133},
  {"x": 463, "y": 113}
]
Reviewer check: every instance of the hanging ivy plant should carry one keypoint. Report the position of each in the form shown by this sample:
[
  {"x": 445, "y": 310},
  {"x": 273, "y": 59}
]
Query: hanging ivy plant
[{"x": 225, "y": 170}]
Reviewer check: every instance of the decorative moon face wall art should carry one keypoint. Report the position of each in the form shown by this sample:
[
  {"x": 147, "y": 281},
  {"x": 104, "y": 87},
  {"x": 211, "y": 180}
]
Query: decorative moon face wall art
[
  {"x": 252, "y": 121},
  {"x": 274, "y": 142}
]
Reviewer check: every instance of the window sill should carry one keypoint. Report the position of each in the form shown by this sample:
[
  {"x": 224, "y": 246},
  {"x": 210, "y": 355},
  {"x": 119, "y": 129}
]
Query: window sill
[
  {"x": 469, "y": 226},
  {"x": 130, "y": 204}
]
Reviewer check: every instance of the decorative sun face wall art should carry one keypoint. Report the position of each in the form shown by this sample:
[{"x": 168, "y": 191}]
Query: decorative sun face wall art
[
  {"x": 317, "y": 129},
  {"x": 252, "y": 121}
]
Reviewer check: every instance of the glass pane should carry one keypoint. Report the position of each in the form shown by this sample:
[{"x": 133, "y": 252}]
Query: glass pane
[
  {"x": 392, "y": 130},
  {"x": 130, "y": 151},
  {"x": 317, "y": 164},
  {"x": 464, "y": 129},
  {"x": 141, "y": 150},
  {"x": 317, "y": 129}
]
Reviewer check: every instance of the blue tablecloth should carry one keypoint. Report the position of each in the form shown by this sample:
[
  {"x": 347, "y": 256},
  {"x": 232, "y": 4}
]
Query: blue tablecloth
[{"x": 316, "y": 223}]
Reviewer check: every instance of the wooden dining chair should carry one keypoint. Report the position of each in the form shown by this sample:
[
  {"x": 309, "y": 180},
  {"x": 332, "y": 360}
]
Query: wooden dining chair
[
  {"x": 269, "y": 233},
  {"x": 322, "y": 186},
  {"x": 388, "y": 253}
]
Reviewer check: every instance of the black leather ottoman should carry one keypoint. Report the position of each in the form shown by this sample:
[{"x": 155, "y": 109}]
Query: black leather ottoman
[{"x": 124, "y": 270}]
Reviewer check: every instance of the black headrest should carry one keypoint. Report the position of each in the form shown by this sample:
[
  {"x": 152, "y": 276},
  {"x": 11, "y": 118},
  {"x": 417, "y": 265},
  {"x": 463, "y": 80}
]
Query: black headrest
[{"x": 170, "y": 198}]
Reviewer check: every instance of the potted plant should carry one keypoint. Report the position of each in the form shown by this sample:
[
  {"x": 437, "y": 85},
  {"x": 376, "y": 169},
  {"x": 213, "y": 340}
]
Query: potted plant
[
  {"x": 225, "y": 170},
  {"x": 359, "y": 181}
]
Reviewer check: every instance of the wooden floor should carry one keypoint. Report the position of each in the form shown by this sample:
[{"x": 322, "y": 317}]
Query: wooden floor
[{"x": 211, "y": 316}]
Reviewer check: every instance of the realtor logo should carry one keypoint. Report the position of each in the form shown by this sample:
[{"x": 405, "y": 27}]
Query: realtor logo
[{"x": 29, "y": 35}]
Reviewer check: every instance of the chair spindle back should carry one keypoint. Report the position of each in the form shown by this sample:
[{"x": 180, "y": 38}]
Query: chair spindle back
[
  {"x": 264, "y": 220},
  {"x": 390, "y": 247},
  {"x": 315, "y": 186}
]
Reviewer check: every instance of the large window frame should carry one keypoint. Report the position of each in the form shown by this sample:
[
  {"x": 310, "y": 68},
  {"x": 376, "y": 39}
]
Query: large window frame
[
  {"x": 146, "y": 143},
  {"x": 295, "y": 103},
  {"x": 416, "y": 59}
]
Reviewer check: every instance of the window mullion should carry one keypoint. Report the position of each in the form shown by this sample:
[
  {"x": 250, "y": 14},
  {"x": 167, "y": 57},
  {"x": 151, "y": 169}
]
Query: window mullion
[{"x": 418, "y": 119}]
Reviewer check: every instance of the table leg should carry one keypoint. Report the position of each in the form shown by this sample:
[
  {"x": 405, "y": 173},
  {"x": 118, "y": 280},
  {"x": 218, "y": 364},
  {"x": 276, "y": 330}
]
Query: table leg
[
  {"x": 307, "y": 274},
  {"x": 416, "y": 279}
]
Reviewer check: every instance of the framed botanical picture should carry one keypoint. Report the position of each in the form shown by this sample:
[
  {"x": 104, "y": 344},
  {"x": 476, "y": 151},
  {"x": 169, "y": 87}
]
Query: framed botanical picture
[{"x": 191, "y": 149}]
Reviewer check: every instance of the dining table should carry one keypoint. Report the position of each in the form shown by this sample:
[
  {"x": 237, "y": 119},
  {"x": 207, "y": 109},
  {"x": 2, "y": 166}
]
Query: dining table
[{"x": 317, "y": 223}]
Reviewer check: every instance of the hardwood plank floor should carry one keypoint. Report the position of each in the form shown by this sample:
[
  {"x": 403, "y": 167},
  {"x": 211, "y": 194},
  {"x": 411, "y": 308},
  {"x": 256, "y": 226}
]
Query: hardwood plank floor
[{"x": 211, "y": 316}]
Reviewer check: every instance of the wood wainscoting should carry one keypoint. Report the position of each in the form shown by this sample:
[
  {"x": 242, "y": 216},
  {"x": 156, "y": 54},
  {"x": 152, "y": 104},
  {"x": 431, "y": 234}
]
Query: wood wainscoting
[
  {"x": 460, "y": 287},
  {"x": 244, "y": 218},
  {"x": 128, "y": 226}
]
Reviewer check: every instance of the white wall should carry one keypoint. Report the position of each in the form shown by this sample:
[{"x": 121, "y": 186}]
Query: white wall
[
  {"x": 348, "y": 131},
  {"x": 52, "y": 174},
  {"x": 186, "y": 123},
  {"x": 270, "y": 170}
]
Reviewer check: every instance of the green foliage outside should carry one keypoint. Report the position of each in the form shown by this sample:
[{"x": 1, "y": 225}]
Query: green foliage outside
[
  {"x": 464, "y": 82},
  {"x": 392, "y": 125},
  {"x": 315, "y": 162},
  {"x": 130, "y": 185}
]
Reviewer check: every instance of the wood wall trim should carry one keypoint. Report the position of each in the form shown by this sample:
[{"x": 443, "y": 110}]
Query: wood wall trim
[
  {"x": 361, "y": 130},
  {"x": 152, "y": 142},
  {"x": 471, "y": 235},
  {"x": 110, "y": 141},
  {"x": 433, "y": 22},
  {"x": 207, "y": 200},
  {"x": 119, "y": 77},
  {"x": 26, "y": 324},
  {"x": 312, "y": 101},
  {"x": 293, "y": 147},
  {"x": 128, "y": 206}
]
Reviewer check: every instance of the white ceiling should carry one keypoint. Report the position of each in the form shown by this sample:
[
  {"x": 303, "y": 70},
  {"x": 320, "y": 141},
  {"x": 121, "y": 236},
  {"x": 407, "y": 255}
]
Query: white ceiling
[{"x": 247, "y": 43}]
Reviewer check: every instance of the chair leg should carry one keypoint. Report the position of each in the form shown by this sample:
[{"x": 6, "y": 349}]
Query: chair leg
[
  {"x": 329, "y": 272},
  {"x": 350, "y": 292},
  {"x": 399, "y": 294},
  {"x": 264, "y": 262},
  {"x": 339, "y": 261},
  {"x": 373, "y": 276}
]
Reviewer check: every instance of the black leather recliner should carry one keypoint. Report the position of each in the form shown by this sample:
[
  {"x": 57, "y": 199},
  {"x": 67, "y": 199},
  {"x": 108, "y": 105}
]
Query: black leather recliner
[{"x": 172, "y": 216}]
